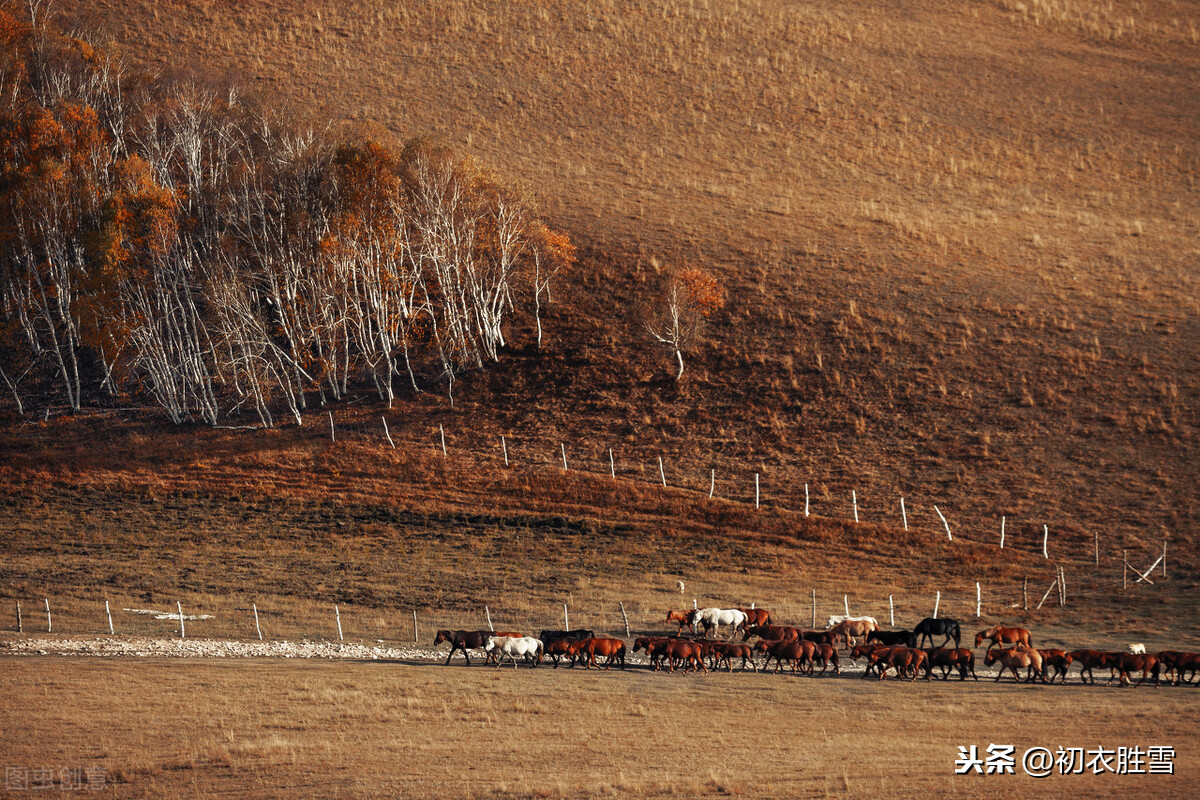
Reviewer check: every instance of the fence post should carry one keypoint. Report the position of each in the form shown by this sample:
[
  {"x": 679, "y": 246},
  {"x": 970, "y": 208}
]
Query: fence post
[
  {"x": 442, "y": 431},
  {"x": 1025, "y": 594},
  {"x": 1047, "y": 594},
  {"x": 814, "y": 608},
  {"x": 1164, "y": 558},
  {"x": 179, "y": 608},
  {"x": 846, "y": 603},
  {"x": 946, "y": 524},
  {"x": 756, "y": 491},
  {"x": 978, "y": 600},
  {"x": 387, "y": 433},
  {"x": 1096, "y": 541},
  {"x": 903, "y": 514},
  {"x": 1002, "y": 518},
  {"x": 416, "y": 637},
  {"x": 937, "y": 604},
  {"x": 504, "y": 447},
  {"x": 257, "y": 627},
  {"x": 338, "y": 612},
  {"x": 108, "y": 611},
  {"x": 854, "y": 499},
  {"x": 488, "y": 614},
  {"x": 564, "y": 455},
  {"x": 332, "y": 436},
  {"x": 566, "y": 619},
  {"x": 712, "y": 483},
  {"x": 891, "y": 612},
  {"x": 612, "y": 465},
  {"x": 1062, "y": 586},
  {"x": 49, "y": 621},
  {"x": 625, "y": 617},
  {"x": 20, "y": 623},
  {"x": 1124, "y": 569},
  {"x": 1045, "y": 540},
  {"x": 806, "y": 499},
  {"x": 661, "y": 473}
]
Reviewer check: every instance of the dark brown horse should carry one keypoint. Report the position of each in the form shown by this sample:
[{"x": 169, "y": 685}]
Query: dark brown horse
[
  {"x": 827, "y": 656},
  {"x": 1057, "y": 660},
  {"x": 999, "y": 636},
  {"x": 1089, "y": 660},
  {"x": 725, "y": 652},
  {"x": 613, "y": 650},
  {"x": 462, "y": 640},
  {"x": 905, "y": 659},
  {"x": 948, "y": 658},
  {"x": 796, "y": 652}
]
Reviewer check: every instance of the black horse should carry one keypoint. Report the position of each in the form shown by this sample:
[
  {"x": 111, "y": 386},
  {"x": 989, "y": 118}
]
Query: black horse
[
  {"x": 893, "y": 638},
  {"x": 930, "y": 627},
  {"x": 462, "y": 640},
  {"x": 578, "y": 633}
]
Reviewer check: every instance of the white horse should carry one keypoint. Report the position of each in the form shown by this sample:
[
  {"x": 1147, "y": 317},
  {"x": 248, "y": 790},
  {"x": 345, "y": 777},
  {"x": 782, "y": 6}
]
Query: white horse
[
  {"x": 513, "y": 646},
  {"x": 1137, "y": 648},
  {"x": 713, "y": 618}
]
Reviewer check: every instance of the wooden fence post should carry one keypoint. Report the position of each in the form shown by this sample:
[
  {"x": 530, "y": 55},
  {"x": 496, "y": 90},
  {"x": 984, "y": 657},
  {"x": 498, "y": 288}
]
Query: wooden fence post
[
  {"x": 387, "y": 433},
  {"x": 504, "y": 448},
  {"x": 338, "y": 612},
  {"x": 937, "y": 604},
  {"x": 488, "y": 614},
  {"x": 179, "y": 608},
  {"x": 416, "y": 636},
  {"x": 20, "y": 623},
  {"x": 814, "y": 608},
  {"x": 1062, "y": 586},
  {"x": 854, "y": 500},
  {"x": 1164, "y": 558},
  {"x": 712, "y": 483},
  {"x": 108, "y": 612},
  {"x": 332, "y": 435},
  {"x": 566, "y": 619},
  {"x": 1047, "y": 594},
  {"x": 1025, "y": 594},
  {"x": 1096, "y": 543},
  {"x": 978, "y": 600},
  {"x": 625, "y": 617},
  {"x": 1124, "y": 569},
  {"x": 257, "y": 627},
  {"x": 661, "y": 472},
  {"x": 442, "y": 431},
  {"x": 612, "y": 464},
  {"x": 891, "y": 612},
  {"x": 49, "y": 621},
  {"x": 1002, "y": 519},
  {"x": 846, "y": 603},
  {"x": 564, "y": 454},
  {"x": 1045, "y": 540},
  {"x": 756, "y": 491},
  {"x": 806, "y": 499},
  {"x": 903, "y": 514}
]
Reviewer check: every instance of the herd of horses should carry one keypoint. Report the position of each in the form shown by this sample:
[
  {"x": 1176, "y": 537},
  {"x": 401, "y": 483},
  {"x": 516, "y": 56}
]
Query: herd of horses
[{"x": 906, "y": 653}]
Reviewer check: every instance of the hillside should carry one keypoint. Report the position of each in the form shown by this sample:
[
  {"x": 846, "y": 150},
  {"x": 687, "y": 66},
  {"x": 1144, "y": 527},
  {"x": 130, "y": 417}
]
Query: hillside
[{"x": 959, "y": 241}]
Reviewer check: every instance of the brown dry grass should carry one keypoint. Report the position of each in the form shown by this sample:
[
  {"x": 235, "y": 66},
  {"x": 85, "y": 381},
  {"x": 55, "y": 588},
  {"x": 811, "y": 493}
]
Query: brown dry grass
[
  {"x": 959, "y": 243},
  {"x": 266, "y": 729}
]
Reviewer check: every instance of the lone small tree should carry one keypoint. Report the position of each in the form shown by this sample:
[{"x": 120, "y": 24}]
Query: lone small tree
[{"x": 676, "y": 317}]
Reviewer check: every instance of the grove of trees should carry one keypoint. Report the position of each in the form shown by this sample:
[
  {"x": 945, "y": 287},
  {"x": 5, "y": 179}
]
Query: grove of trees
[{"x": 166, "y": 240}]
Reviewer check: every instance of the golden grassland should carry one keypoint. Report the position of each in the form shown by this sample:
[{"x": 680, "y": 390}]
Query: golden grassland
[
  {"x": 959, "y": 241},
  {"x": 272, "y": 729}
]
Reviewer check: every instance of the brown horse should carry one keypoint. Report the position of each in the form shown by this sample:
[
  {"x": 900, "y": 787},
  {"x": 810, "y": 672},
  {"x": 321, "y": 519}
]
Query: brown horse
[
  {"x": 948, "y": 658},
  {"x": 999, "y": 636},
  {"x": 794, "y": 651},
  {"x": 1175, "y": 663},
  {"x": 1014, "y": 659},
  {"x": 904, "y": 659},
  {"x": 727, "y": 651},
  {"x": 1125, "y": 663},
  {"x": 756, "y": 616},
  {"x": 770, "y": 633},
  {"x": 1058, "y": 660},
  {"x": 851, "y": 629},
  {"x": 654, "y": 646},
  {"x": 682, "y": 617},
  {"x": 827, "y": 655},
  {"x": 678, "y": 651},
  {"x": 611, "y": 649},
  {"x": 558, "y": 649},
  {"x": 1089, "y": 660},
  {"x": 865, "y": 651}
]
